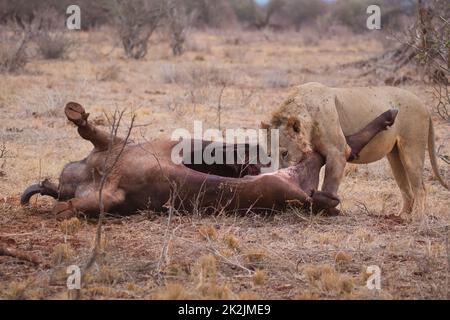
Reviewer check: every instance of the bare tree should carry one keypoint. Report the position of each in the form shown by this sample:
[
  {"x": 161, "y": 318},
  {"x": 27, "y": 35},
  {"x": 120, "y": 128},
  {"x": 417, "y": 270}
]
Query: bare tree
[
  {"x": 51, "y": 39},
  {"x": 424, "y": 47},
  {"x": 273, "y": 7},
  {"x": 14, "y": 41},
  {"x": 136, "y": 20},
  {"x": 433, "y": 51},
  {"x": 179, "y": 20}
]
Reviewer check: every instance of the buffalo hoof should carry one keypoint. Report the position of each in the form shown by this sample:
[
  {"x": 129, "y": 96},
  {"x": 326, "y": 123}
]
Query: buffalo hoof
[
  {"x": 391, "y": 115},
  {"x": 76, "y": 113},
  {"x": 332, "y": 212},
  {"x": 325, "y": 201},
  {"x": 64, "y": 210}
]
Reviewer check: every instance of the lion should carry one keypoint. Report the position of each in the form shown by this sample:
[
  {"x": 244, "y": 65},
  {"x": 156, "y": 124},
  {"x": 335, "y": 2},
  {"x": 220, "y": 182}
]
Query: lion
[{"x": 317, "y": 118}]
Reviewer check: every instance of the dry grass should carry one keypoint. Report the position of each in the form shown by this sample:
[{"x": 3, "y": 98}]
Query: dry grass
[
  {"x": 231, "y": 241},
  {"x": 287, "y": 256},
  {"x": 108, "y": 275},
  {"x": 328, "y": 281},
  {"x": 208, "y": 232},
  {"x": 70, "y": 227},
  {"x": 172, "y": 291},
  {"x": 61, "y": 253},
  {"x": 260, "y": 277}
]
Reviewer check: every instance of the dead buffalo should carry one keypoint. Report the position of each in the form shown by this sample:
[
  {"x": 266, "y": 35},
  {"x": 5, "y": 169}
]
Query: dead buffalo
[{"x": 145, "y": 177}]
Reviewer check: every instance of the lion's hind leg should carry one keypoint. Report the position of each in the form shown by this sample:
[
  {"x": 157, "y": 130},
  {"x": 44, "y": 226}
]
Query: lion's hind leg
[
  {"x": 412, "y": 155},
  {"x": 401, "y": 178}
]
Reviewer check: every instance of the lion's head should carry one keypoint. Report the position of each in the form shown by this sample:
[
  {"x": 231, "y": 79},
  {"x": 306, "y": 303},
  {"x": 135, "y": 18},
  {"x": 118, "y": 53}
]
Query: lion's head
[{"x": 294, "y": 138}]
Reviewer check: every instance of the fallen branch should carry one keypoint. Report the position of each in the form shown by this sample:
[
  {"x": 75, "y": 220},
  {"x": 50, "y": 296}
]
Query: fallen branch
[{"x": 19, "y": 254}]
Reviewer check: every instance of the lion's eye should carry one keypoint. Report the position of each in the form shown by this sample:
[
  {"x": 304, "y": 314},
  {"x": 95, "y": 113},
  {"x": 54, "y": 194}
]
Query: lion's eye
[{"x": 284, "y": 154}]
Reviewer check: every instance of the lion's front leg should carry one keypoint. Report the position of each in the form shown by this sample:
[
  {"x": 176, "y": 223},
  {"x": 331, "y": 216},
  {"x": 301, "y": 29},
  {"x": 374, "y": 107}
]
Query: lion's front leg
[
  {"x": 330, "y": 142},
  {"x": 334, "y": 171}
]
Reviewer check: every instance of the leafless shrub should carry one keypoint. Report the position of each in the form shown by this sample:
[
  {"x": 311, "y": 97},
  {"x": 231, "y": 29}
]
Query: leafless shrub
[
  {"x": 52, "y": 45},
  {"x": 430, "y": 45},
  {"x": 424, "y": 46},
  {"x": 299, "y": 12},
  {"x": 214, "y": 14},
  {"x": 13, "y": 48},
  {"x": 13, "y": 58},
  {"x": 22, "y": 29},
  {"x": 350, "y": 13},
  {"x": 136, "y": 20}
]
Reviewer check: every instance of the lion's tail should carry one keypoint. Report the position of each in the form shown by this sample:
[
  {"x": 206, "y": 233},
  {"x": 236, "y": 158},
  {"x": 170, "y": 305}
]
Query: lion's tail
[{"x": 432, "y": 153}]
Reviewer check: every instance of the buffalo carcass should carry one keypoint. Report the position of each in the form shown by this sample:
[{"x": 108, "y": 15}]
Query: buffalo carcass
[{"x": 144, "y": 177}]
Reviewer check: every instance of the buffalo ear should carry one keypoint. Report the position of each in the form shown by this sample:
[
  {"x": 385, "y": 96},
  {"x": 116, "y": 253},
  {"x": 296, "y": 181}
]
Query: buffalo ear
[
  {"x": 294, "y": 124},
  {"x": 264, "y": 125}
]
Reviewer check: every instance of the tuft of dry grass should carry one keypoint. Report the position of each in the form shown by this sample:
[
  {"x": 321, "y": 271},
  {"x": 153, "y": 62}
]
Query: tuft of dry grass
[
  {"x": 342, "y": 258},
  {"x": 207, "y": 232},
  {"x": 214, "y": 291},
  {"x": 172, "y": 291},
  {"x": 231, "y": 241},
  {"x": 249, "y": 295},
  {"x": 29, "y": 288},
  {"x": 307, "y": 296},
  {"x": 62, "y": 253},
  {"x": 260, "y": 277},
  {"x": 19, "y": 290},
  {"x": 328, "y": 281},
  {"x": 364, "y": 275},
  {"x": 70, "y": 227},
  {"x": 100, "y": 291},
  {"x": 205, "y": 268}
]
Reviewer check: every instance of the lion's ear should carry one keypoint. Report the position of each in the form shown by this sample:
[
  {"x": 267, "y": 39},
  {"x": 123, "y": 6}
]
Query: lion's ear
[
  {"x": 264, "y": 125},
  {"x": 294, "y": 124}
]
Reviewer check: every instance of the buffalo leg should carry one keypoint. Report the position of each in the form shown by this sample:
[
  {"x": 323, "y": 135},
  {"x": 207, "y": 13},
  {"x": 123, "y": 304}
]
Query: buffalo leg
[
  {"x": 360, "y": 139},
  {"x": 89, "y": 204},
  {"x": 99, "y": 138}
]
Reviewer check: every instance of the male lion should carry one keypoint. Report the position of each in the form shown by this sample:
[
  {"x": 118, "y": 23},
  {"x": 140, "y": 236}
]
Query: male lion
[{"x": 317, "y": 118}]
